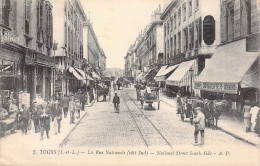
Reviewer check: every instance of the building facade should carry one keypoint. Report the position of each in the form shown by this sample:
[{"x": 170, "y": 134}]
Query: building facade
[
  {"x": 238, "y": 79},
  {"x": 68, "y": 37},
  {"x": 94, "y": 55},
  {"x": 191, "y": 32},
  {"x": 26, "y": 29}
]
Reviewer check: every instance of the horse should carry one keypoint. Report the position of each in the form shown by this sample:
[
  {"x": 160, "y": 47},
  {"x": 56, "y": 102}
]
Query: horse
[{"x": 213, "y": 110}]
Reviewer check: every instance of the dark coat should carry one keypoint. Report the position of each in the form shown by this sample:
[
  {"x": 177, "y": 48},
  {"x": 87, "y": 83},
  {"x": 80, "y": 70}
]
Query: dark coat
[
  {"x": 45, "y": 120},
  {"x": 116, "y": 99},
  {"x": 57, "y": 112}
]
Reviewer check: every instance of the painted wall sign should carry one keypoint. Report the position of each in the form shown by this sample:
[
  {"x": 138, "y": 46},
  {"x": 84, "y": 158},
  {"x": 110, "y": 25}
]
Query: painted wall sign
[
  {"x": 7, "y": 38},
  {"x": 209, "y": 30},
  {"x": 6, "y": 70}
]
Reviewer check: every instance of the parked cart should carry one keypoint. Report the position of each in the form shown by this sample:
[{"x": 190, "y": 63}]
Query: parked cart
[
  {"x": 103, "y": 92},
  {"x": 152, "y": 97}
]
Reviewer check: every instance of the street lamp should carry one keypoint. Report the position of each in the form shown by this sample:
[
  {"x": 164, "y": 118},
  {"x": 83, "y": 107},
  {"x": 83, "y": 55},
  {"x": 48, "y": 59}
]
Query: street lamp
[{"x": 191, "y": 71}]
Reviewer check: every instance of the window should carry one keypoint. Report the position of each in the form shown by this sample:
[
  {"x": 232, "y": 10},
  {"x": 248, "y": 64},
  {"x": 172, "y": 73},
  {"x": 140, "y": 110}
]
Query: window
[
  {"x": 168, "y": 26},
  {"x": 165, "y": 30},
  {"x": 179, "y": 16},
  {"x": 49, "y": 21},
  {"x": 248, "y": 13},
  {"x": 190, "y": 7},
  {"x": 6, "y": 12},
  {"x": 175, "y": 45},
  {"x": 69, "y": 6},
  {"x": 197, "y": 5},
  {"x": 174, "y": 20},
  {"x": 184, "y": 11},
  {"x": 27, "y": 16},
  {"x": 185, "y": 39},
  {"x": 69, "y": 39},
  {"x": 179, "y": 43},
  {"x": 171, "y": 24},
  {"x": 40, "y": 14},
  {"x": 230, "y": 22},
  {"x": 191, "y": 36},
  {"x": 171, "y": 47}
]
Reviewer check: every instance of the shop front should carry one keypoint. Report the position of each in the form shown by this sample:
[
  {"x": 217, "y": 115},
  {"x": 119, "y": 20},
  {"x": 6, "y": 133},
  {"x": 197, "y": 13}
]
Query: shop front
[
  {"x": 163, "y": 74},
  {"x": 182, "y": 78},
  {"x": 231, "y": 75}
]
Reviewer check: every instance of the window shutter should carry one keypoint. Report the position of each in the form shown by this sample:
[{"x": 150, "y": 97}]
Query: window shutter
[
  {"x": 255, "y": 16},
  {"x": 223, "y": 20},
  {"x": 244, "y": 25},
  {"x": 237, "y": 14}
]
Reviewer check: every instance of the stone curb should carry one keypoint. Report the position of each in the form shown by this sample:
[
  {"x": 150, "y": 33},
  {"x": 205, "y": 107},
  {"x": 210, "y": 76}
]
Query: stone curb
[
  {"x": 66, "y": 137},
  {"x": 228, "y": 132}
]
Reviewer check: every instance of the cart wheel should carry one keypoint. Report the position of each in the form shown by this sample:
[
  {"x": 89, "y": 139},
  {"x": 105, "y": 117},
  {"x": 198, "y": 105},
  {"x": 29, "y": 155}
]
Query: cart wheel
[
  {"x": 158, "y": 105},
  {"x": 29, "y": 124}
]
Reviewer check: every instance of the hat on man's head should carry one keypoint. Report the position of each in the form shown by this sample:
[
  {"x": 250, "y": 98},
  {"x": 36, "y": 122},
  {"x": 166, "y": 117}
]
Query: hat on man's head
[
  {"x": 198, "y": 108},
  {"x": 56, "y": 102}
]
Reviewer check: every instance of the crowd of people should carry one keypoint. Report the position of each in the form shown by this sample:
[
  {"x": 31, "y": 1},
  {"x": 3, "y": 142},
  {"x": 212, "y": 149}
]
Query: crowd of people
[{"x": 43, "y": 113}]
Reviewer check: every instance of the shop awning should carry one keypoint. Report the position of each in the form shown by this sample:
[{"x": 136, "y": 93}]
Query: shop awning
[
  {"x": 230, "y": 66},
  {"x": 83, "y": 74},
  {"x": 95, "y": 75},
  {"x": 177, "y": 78},
  {"x": 140, "y": 76},
  {"x": 75, "y": 73},
  {"x": 161, "y": 75},
  {"x": 151, "y": 74}
]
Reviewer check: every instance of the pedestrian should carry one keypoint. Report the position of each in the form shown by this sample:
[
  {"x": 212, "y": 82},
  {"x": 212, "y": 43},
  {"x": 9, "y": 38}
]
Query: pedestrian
[
  {"x": 83, "y": 101},
  {"x": 254, "y": 112},
  {"x": 36, "y": 116},
  {"x": 24, "y": 118},
  {"x": 45, "y": 119},
  {"x": 199, "y": 123},
  {"x": 142, "y": 93},
  {"x": 12, "y": 112},
  {"x": 247, "y": 116},
  {"x": 65, "y": 105},
  {"x": 57, "y": 117},
  {"x": 72, "y": 110},
  {"x": 116, "y": 101},
  {"x": 77, "y": 108}
]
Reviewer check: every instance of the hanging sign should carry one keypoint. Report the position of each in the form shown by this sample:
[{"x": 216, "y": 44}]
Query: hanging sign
[{"x": 217, "y": 87}]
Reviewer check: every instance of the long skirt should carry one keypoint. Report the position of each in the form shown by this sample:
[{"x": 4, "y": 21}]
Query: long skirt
[{"x": 247, "y": 122}]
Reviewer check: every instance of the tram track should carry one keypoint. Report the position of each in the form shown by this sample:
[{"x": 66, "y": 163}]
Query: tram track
[{"x": 147, "y": 130}]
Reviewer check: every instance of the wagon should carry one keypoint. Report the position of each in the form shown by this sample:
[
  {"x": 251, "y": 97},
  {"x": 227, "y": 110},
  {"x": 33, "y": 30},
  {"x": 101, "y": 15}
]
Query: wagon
[
  {"x": 103, "y": 92},
  {"x": 188, "y": 106},
  {"x": 152, "y": 97}
]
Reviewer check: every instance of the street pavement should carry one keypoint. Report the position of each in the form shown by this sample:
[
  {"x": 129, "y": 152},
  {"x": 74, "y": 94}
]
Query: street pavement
[{"x": 135, "y": 127}]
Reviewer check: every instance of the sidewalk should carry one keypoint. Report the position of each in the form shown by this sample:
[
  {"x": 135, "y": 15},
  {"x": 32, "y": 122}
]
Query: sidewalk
[
  {"x": 228, "y": 124},
  {"x": 32, "y": 139}
]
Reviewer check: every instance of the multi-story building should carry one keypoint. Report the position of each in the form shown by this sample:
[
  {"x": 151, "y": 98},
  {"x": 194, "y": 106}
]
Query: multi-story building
[
  {"x": 233, "y": 71},
  {"x": 191, "y": 33},
  {"x": 130, "y": 62},
  {"x": 94, "y": 55},
  {"x": 68, "y": 22},
  {"x": 26, "y": 32}
]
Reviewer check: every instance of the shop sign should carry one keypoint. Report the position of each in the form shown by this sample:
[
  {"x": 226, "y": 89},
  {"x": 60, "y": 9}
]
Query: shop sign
[
  {"x": 24, "y": 98},
  {"x": 6, "y": 70},
  {"x": 217, "y": 87},
  {"x": 175, "y": 83},
  {"x": 160, "y": 78},
  {"x": 209, "y": 30},
  {"x": 7, "y": 38}
]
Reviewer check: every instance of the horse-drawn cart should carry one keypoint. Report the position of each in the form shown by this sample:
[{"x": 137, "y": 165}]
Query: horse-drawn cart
[
  {"x": 152, "y": 97},
  {"x": 103, "y": 92}
]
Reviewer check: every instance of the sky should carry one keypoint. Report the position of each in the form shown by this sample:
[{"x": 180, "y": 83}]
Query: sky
[{"x": 117, "y": 23}]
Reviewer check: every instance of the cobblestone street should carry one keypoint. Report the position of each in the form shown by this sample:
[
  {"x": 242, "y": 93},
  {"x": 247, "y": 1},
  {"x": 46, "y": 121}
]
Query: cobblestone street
[{"x": 135, "y": 127}]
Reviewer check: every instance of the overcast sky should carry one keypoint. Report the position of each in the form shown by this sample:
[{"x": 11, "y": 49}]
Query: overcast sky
[{"x": 117, "y": 24}]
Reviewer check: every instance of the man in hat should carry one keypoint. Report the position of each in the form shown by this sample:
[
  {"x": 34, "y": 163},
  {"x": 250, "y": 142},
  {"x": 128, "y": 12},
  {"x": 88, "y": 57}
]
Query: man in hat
[
  {"x": 57, "y": 117},
  {"x": 45, "y": 115},
  {"x": 36, "y": 118},
  {"x": 72, "y": 109},
  {"x": 24, "y": 118},
  {"x": 199, "y": 123},
  {"x": 116, "y": 101},
  {"x": 65, "y": 105}
]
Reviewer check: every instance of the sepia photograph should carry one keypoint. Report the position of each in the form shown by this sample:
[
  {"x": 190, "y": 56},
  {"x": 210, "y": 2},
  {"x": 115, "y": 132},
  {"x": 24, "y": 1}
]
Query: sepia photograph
[{"x": 129, "y": 82}]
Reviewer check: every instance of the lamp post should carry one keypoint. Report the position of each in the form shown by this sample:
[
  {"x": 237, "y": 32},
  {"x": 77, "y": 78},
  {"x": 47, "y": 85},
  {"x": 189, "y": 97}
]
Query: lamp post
[{"x": 191, "y": 71}]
